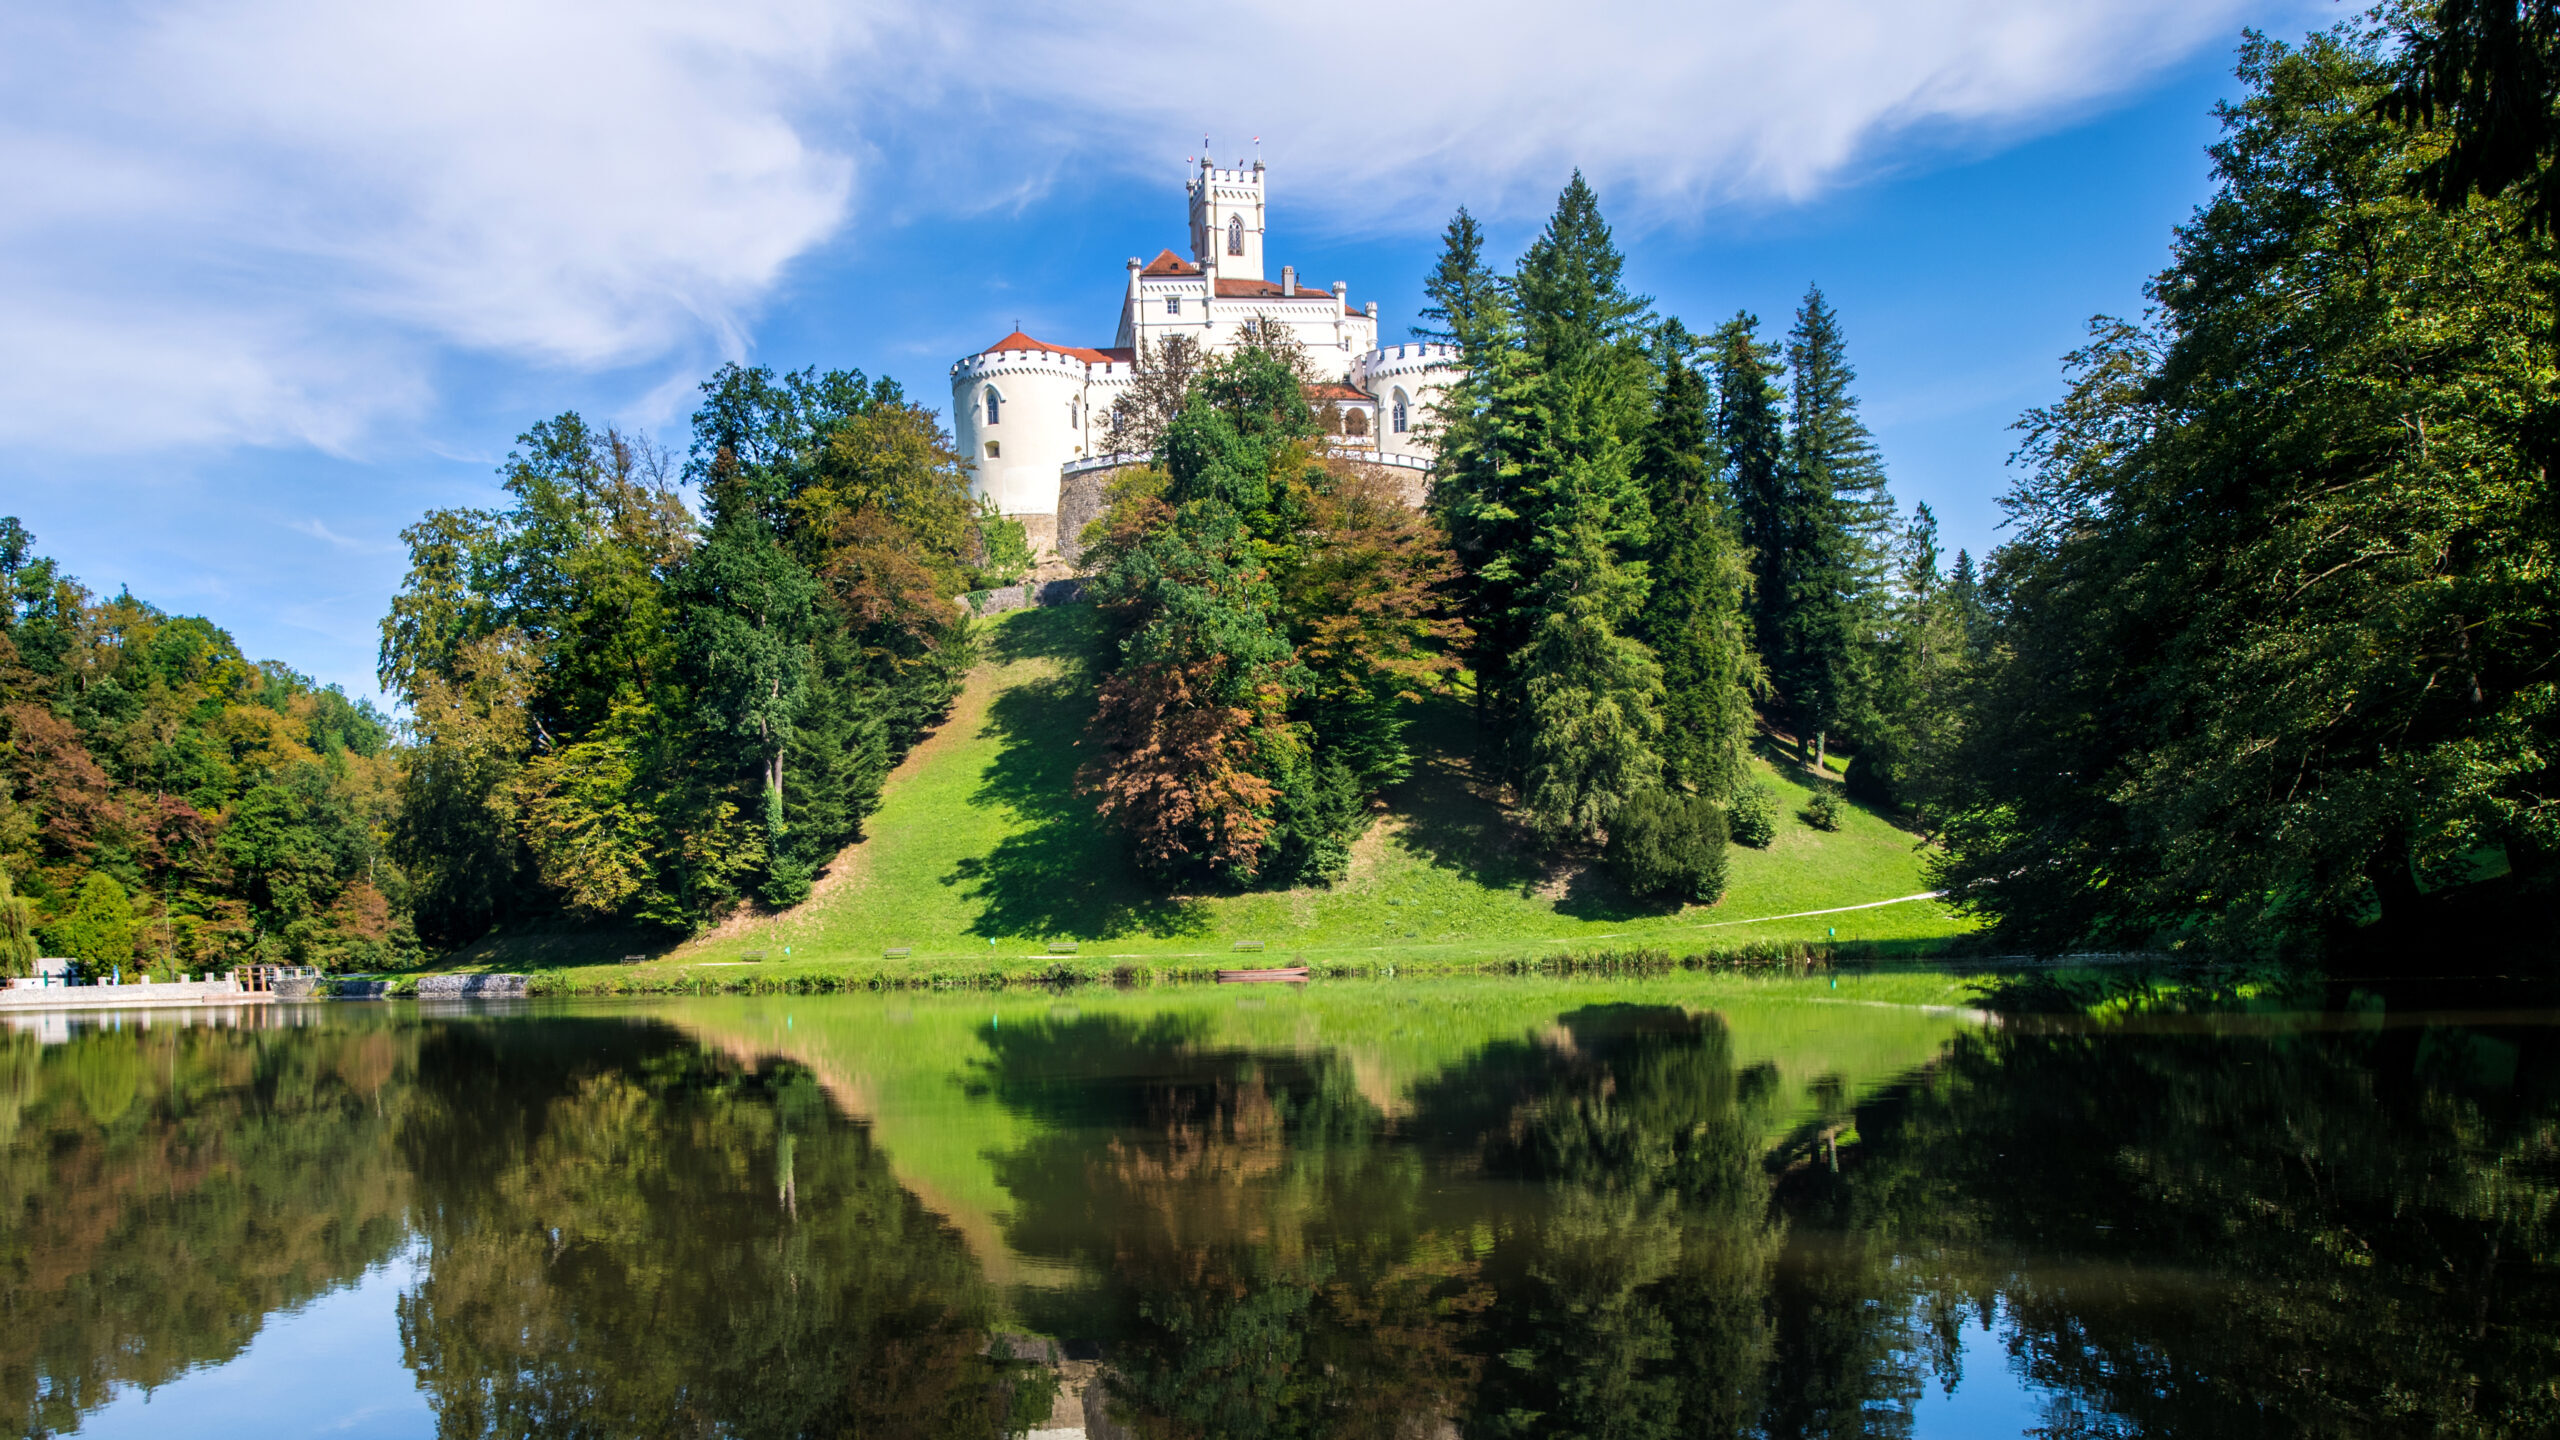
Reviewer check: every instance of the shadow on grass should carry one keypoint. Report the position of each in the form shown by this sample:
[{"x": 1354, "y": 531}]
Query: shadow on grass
[
  {"x": 1451, "y": 819},
  {"x": 559, "y": 943},
  {"x": 1065, "y": 874}
]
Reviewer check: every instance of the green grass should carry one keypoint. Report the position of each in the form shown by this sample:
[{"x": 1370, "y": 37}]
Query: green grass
[{"x": 981, "y": 854}]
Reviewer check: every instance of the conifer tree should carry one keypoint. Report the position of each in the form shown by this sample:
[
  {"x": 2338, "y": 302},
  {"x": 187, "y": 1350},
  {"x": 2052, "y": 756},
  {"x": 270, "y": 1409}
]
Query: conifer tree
[
  {"x": 1586, "y": 693},
  {"x": 1750, "y": 440},
  {"x": 1462, "y": 292},
  {"x": 1696, "y": 619},
  {"x": 1836, "y": 577},
  {"x": 1482, "y": 423}
]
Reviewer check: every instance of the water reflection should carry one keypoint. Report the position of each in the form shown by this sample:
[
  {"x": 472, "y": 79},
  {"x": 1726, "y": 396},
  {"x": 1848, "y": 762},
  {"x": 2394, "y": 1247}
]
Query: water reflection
[{"x": 1626, "y": 1212}]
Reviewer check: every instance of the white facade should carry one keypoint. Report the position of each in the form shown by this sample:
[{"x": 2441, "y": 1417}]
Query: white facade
[{"x": 1024, "y": 410}]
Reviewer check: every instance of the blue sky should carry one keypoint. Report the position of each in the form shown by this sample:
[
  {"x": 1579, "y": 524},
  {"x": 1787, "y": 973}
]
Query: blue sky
[{"x": 280, "y": 275}]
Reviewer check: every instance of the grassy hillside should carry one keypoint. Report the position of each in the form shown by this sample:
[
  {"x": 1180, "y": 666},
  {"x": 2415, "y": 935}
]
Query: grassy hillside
[{"x": 982, "y": 854}]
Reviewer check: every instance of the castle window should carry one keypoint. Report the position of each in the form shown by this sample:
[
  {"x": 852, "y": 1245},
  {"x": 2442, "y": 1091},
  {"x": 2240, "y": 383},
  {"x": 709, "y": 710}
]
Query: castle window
[
  {"x": 995, "y": 406},
  {"x": 1235, "y": 234},
  {"x": 1400, "y": 415},
  {"x": 1355, "y": 423},
  {"x": 995, "y": 451},
  {"x": 1173, "y": 304}
]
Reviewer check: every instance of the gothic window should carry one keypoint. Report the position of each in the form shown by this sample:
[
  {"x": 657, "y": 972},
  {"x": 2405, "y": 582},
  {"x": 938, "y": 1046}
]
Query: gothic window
[
  {"x": 1235, "y": 234},
  {"x": 1173, "y": 304},
  {"x": 995, "y": 406},
  {"x": 1400, "y": 415},
  {"x": 1071, "y": 414}
]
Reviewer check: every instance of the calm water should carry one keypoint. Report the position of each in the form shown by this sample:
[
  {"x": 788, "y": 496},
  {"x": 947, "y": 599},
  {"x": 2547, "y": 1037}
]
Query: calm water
[{"x": 1700, "y": 1207}]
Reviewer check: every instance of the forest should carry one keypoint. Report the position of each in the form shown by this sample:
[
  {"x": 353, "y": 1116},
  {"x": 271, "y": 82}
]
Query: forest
[{"x": 2264, "y": 663}]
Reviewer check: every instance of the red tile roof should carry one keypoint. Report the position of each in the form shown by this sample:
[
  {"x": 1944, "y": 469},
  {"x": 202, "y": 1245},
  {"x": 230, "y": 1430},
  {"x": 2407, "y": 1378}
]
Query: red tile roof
[
  {"x": 1338, "y": 393},
  {"x": 1168, "y": 263},
  {"x": 1270, "y": 288},
  {"x": 1019, "y": 341}
]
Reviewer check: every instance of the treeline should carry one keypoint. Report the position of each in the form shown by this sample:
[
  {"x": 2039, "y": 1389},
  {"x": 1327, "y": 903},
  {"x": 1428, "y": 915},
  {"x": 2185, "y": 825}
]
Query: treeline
[
  {"x": 168, "y": 805},
  {"x": 627, "y": 711},
  {"x": 2275, "y": 652},
  {"x": 1636, "y": 534}
]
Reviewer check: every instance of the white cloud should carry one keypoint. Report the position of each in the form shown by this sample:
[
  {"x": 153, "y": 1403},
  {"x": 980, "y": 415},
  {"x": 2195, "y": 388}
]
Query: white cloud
[
  {"x": 263, "y": 221},
  {"x": 1404, "y": 111},
  {"x": 270, "y": 221}
]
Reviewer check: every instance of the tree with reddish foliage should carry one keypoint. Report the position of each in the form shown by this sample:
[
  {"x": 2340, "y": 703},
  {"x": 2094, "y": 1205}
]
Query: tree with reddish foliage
[{"x": 1278, "y": 618}]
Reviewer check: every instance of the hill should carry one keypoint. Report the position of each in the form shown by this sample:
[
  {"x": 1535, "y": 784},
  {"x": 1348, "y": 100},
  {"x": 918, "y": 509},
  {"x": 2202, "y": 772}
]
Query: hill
[{"x": 982, "y": 854}]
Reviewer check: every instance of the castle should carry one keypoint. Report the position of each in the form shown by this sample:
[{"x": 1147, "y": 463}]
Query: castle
[{"x": 1034, "y": 417}]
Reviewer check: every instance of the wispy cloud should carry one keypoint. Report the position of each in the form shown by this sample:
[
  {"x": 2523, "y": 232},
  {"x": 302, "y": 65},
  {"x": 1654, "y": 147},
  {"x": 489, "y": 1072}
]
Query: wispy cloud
[
  {"x": 321, "y": 532},
  {"x": 269, "y": 221}
]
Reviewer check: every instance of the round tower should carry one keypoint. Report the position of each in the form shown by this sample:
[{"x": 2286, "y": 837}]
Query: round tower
[{"x": 1408, "y": 380}]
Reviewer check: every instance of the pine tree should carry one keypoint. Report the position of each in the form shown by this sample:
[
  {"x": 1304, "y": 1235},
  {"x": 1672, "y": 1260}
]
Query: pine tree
[
  {"x": 1696, "y": 619},
  {"x": 1590, "y": 697},
  {"x": 1749, "y": 435},
  {"x": 1835, "y": 569},
  {"x": 1462, "y": 292},
  {"x": 1586, "y": 524}
]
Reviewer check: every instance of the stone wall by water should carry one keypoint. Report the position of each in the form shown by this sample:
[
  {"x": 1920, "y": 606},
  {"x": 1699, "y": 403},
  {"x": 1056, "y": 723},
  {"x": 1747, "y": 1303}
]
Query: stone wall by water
[{"x": 448, "y": 987}]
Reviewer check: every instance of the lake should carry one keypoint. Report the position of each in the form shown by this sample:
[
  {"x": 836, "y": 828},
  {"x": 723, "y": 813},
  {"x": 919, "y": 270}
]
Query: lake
[{"x": 1696, "y": 1205}]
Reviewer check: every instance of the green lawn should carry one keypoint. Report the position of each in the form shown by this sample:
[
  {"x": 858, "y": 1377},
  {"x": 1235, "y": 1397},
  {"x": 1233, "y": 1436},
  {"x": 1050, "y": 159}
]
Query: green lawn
[{"x": 982, "y": 854}]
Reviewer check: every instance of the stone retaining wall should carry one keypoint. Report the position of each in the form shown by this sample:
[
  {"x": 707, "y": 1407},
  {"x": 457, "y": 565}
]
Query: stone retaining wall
[
  {"x": 449, "y": 987},
  {"x": 1025, "y": 596}
]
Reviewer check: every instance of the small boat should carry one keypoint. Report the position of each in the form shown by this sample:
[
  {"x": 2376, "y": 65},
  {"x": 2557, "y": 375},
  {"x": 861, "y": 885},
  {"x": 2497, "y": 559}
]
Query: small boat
[{"x": 1240, "y": 977}]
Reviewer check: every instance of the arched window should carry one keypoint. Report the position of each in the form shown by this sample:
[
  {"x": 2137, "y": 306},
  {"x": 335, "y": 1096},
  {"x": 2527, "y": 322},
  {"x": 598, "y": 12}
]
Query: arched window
[
  {"x": 1355, "y": 422},
  {"x": 994, "y": 451},
  {"x": 1401, "y": 421},
  {"x": 1071, "y": 414},
  {"x": 1235, "y": 234},
  {"x": 995, "y": 406}
]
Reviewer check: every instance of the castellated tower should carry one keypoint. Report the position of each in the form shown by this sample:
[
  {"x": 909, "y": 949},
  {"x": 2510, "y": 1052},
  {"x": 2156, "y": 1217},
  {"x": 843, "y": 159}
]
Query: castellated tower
[
  {"x": 1226, "y": 221},
  {"x": 1032, "y": 416}
]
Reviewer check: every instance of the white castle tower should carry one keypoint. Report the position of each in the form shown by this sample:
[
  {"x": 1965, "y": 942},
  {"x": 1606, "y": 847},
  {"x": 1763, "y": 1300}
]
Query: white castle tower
[{"x": 1032, "y": 415}]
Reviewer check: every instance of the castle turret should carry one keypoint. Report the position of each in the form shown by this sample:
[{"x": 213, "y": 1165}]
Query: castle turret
[{"x": 1226, "y": 221}]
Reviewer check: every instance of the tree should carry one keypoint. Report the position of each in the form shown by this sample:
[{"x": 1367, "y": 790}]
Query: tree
[
  {"x": 2484, "y": 75},
  {"x": 17, "y": 931},
  {"x": 1696, "y": 618},
  {"x": 99, "y": 930},
  {"x": 1462, "y": 294},
  {"x": 2275, "y": 640},
  {"x": 1664, "y": 845},
  {"x": 1590, "y": 700},
  {"x": 750, "y": 613},
  {"x": 1839, "y": 512},
  {"x": 1140, "y": 413},
  {"x": 1771, "y": 515},
  {"x": 1915, "y": 708}
]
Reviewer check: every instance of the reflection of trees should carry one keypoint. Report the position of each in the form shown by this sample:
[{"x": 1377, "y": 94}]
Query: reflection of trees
[
  {"x": 1631, "y": 1300},
  {"x": 1568, "y": 1237},
  {"x": 634, "y": 1236},
  {"x": 2329, "y": 1232},
  {"x": 167, "y": 1189}
]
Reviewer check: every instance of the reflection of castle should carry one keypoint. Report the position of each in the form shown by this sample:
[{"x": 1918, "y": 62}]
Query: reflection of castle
[{"x": 1032, "y": 416}]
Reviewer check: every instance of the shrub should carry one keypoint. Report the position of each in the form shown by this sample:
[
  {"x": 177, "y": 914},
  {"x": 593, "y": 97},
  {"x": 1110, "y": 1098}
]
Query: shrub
[
  {"x": 1822, "y": 812},
  {"x": 1754, "y": 820},
  {"x": 1667, "y": 846}
]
